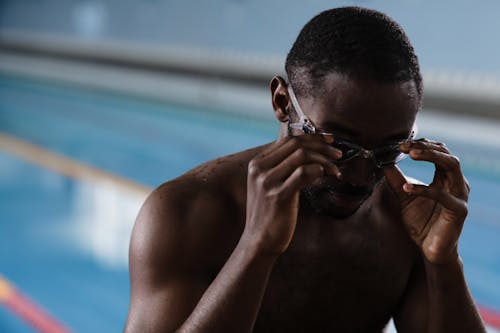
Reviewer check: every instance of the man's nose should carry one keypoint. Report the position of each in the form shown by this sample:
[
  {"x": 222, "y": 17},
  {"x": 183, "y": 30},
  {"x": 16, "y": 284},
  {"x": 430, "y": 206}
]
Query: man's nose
[{"x": 360, "y": 171}]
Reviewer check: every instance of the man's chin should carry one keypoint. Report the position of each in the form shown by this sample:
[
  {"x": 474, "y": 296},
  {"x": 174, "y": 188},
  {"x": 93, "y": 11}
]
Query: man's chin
[{"x": 334, "y": 204}]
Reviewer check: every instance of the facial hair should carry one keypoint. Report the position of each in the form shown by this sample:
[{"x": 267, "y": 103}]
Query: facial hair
[{"x": 313, "y": 195}]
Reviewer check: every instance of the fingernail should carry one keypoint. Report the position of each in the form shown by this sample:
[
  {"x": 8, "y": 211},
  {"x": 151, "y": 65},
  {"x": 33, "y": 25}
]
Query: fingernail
[
  {"x": 328, "y": 138},
  {"x": 406, "y": 144},
  {"x": 408, "y": 187}
]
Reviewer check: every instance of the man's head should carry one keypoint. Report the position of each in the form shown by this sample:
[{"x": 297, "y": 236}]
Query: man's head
[
  {"x": 355, "y": 74},
  {"x": 357, "y": 42}
]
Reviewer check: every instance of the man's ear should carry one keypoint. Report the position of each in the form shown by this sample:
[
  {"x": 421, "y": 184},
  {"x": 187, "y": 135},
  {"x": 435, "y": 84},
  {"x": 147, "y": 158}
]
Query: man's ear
[{"x": 280, "y": 99}]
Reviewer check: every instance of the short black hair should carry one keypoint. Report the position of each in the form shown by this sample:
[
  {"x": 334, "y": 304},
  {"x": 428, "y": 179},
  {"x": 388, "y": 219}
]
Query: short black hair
[{"x": 358, "y": 42}]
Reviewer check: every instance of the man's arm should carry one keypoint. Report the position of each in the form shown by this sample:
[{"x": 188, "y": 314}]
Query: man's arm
[
  {"x": 167, "y": 293},
  {"x": 434, "y": 216},
  {"x": 437, "y": 300},
  {"x": 450, "y": 298},
  {"x": 163, "y": 288}
]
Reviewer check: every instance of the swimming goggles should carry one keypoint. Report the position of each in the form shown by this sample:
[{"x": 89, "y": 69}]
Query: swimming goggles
[{"x": 382, "y": 156}]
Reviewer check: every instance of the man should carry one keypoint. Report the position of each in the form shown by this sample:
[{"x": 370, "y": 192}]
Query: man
[{"x": 318, "y": 231}]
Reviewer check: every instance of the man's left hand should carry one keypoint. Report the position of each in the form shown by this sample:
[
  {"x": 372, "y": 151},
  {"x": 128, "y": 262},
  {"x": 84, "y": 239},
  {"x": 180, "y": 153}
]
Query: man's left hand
[{"x": 433, "y": 214}]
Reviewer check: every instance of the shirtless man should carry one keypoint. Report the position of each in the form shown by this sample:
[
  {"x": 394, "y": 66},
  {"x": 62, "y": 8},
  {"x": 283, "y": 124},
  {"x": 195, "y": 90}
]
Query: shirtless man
[{"x": 318, "y": 231}]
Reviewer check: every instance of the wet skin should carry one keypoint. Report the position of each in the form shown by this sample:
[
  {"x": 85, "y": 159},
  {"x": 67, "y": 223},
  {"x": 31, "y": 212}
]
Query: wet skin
[{"x": 232, "y": 245}]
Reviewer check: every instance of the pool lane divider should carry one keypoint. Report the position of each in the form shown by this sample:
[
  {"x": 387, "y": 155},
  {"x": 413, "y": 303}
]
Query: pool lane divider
[
  {"x": 12, "y": 298},
  {"x": 27, "y": 310},
  {"x": 80, "y": 171},
  {"x": 490, "y": 317},
  {"x": 64, "y": 165}
]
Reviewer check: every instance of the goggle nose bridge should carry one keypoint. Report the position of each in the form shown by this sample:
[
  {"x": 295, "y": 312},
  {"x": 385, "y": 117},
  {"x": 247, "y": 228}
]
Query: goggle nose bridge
[{"x": 365, "y": 153}]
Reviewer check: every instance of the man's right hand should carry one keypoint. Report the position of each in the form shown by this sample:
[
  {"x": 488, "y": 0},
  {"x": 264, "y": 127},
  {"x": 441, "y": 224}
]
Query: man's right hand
[{"x": 275, "y": 178}]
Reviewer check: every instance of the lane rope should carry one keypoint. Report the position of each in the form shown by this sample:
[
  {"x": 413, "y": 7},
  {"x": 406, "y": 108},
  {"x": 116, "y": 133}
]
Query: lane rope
[{"x": 29, "y": 311}]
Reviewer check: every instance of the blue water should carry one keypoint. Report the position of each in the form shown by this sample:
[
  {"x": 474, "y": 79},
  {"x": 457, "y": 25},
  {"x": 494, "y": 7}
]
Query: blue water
[
  {"x": 145, "y": 141},
  {"x": 86, "y": 286},
  {"x": 62, "y": 279}
]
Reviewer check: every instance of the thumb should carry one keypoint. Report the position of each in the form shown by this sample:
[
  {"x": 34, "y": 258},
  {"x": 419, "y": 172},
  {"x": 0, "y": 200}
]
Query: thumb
[{"x": 396, "y": 179}]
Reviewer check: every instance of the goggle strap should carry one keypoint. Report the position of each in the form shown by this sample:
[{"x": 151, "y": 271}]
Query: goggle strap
[
  {"x": 296, "y": 126},
  {"x": 304, "y": 123}
]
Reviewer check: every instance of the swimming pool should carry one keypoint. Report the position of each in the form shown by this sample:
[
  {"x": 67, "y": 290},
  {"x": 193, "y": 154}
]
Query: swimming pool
[{"x": 64, "y": 234}]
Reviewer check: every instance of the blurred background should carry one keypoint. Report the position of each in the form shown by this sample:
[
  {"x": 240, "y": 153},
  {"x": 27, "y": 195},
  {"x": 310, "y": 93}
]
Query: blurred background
[{"x": 103, "y": 100}]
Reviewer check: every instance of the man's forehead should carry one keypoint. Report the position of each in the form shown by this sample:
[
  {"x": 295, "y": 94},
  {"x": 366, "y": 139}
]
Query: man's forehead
[
  {"x": 360, "y": 105},
  {"x": 366, "y": 94},
  {"x": 337, "y": 82}
]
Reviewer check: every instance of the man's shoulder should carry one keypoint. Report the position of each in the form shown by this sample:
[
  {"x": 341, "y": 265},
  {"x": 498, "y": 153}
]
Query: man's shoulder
[
  {"x": 204, "y": 206},
  {"x": 218, "y": 182},
  {"x": 185, "y": 232}
]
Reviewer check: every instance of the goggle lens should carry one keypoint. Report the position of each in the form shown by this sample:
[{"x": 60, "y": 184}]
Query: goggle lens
[
  {"x": 385, "y": 155},
  {"x": 348, "y": 150},
  {"x": 388, "y": 155}
]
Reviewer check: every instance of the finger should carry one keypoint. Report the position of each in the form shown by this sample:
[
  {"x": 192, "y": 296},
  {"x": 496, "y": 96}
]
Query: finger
[
  {"x": 396, "y": 179},
  {"x": 467, "y": 185},
  {"x": 450, "y": 202},
  {"x": 442, "y": 144},
  {"x": 447, "y": 164},
  {"x": 317, "y": 143},
  {"x": 301, "y": 177},
  {"x": 298, "y": 158},
  {"x": 406, "y": 146}
]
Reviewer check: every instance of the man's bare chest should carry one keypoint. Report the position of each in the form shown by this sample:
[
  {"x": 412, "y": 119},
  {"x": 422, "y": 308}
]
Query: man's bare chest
[{"x": 353, "y": 285}]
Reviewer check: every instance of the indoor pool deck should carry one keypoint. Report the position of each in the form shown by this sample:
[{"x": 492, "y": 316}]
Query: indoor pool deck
[{"x": 75, "y": 166}]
